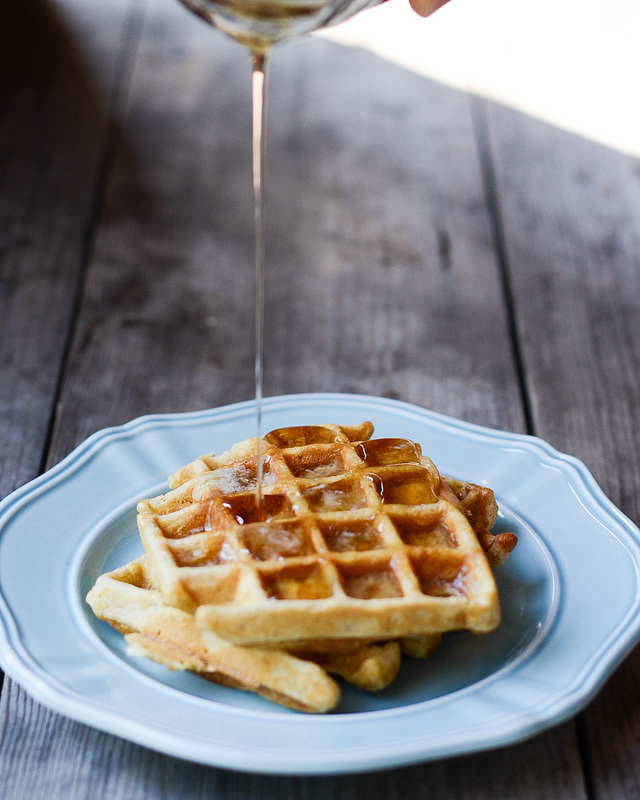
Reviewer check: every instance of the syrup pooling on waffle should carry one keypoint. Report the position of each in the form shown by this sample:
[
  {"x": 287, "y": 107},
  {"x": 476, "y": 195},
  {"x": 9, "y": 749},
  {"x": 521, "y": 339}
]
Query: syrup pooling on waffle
[{"x": 355, "y": 538}]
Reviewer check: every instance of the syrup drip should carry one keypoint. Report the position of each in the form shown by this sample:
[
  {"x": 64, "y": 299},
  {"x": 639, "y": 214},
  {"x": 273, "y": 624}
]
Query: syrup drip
[{"x": 259, "y": 63}]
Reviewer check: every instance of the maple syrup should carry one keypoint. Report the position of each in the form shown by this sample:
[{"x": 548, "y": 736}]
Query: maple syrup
[{"x": 259, "y": 96}]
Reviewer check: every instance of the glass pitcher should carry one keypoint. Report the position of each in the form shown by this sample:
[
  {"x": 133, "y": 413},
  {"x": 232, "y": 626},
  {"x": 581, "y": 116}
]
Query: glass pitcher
[{"x": 259, "y": 24}]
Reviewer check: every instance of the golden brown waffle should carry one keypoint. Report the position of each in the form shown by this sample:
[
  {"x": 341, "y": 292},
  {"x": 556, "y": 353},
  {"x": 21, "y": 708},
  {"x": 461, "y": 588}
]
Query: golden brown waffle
[
  {"x": 355, "y": 538},
  {"x": 169, "y": 636},
  {"x": 371, "y": 667},
  {"x": 126, "y": 599},
  {"x": 479, "y": 505},
  {"x": 420, "y": 646}
]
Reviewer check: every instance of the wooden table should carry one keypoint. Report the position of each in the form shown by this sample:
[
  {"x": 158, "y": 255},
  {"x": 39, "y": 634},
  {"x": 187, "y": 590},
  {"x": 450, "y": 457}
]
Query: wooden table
[{"x": 422, "y": 244}]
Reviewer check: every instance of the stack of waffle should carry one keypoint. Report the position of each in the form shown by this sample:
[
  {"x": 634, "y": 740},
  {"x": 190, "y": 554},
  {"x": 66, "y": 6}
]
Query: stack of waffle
[{"x": 355, "y": 551}]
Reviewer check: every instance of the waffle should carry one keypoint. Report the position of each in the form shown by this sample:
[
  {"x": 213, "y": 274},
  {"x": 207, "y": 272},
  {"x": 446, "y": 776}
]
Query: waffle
[
  {"x": 127, "y": 600},
  {"x": 370, "y": 667},
  {"x": 479, "y": 505},
  {"x": 356, "y": 538},
  {"x": 169, "y": 636}
]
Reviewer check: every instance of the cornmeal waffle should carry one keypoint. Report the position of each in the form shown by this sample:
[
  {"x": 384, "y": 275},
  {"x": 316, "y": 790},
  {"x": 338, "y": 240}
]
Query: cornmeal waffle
[
  {"x": 355, "y": 539},
  {"x": 126, "y": 599},
  {"x": 171, "y": 637},
  {"x": 479, "y": 505}
]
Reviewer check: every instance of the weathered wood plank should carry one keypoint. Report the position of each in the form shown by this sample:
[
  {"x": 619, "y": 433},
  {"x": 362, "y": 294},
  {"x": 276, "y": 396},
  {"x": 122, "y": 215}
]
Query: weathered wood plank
[
  {"x": 79, "y": 763},
  {"x": 394, "y": 271},
  {"x": 167, "y": 311},
  {"x": 55, "y": 131},
  {"x": 55, "y": 122},
  {"x": 390, "y": 291},
  {"x": 571, "y": 217}
]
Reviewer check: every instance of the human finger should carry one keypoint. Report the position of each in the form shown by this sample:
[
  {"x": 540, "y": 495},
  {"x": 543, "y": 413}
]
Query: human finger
[{"x": 426, "y": 7}]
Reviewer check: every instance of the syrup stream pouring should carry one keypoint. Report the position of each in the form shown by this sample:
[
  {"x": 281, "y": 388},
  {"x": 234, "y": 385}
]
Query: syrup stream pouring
[{"x": 258, "y": 25}]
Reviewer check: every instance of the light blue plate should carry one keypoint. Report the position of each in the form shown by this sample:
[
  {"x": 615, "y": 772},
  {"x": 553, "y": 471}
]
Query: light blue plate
[{"x": 570, "y": 597}]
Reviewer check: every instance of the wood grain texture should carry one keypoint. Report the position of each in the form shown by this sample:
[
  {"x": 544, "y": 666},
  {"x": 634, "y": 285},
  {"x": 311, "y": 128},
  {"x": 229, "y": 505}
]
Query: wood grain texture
[
  {"x": 571, "y": 216},
  {"x": 571, "y": 219},
  {"x": 381, "y": 274},
  {"x": 58, "y": 76},
  {"x": 45, "y": 755},
  {"x": 388, "y": 284},
  {"x": 54, "y": 132},
  {"x": 166, "y": 319}
]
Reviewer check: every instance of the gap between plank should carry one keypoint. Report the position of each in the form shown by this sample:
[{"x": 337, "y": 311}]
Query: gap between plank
[
  {"x": 481, "y": 125},
  {"x": 488, "y": 174},
  {"x": 132, "y": 35},
  {"x": 584, "y": 751}
]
